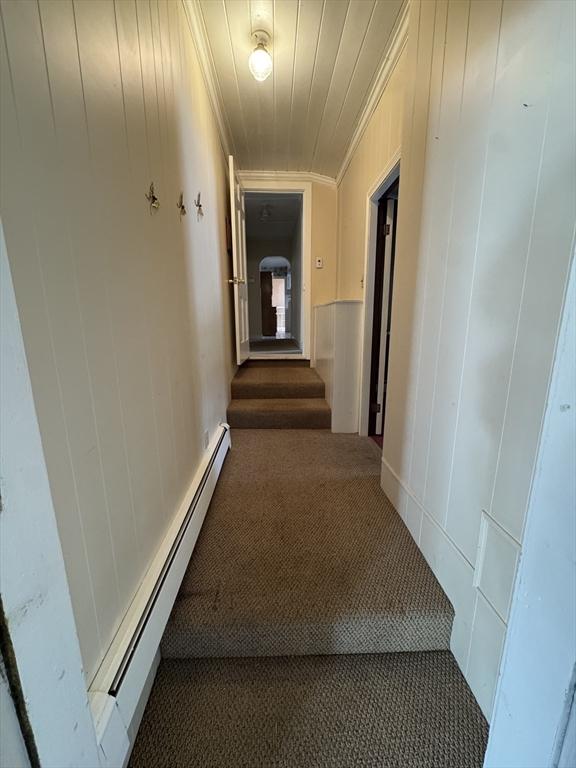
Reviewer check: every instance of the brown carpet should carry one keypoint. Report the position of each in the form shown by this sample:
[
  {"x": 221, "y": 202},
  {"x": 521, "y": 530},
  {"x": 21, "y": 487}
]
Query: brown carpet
[
  {"x": 284, "y": 413},
  {"x": 301, "y": 553},
  {"x": 278, "y": 396},
  {"x": 372, "y": 711},
  {"x": 276, "y": 382},
  {"x": 274, "y": 345}
]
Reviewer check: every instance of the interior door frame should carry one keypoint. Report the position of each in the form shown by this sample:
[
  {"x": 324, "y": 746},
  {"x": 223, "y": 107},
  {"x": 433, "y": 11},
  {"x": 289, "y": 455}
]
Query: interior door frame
[
  {"x": 239, "y": 257},
  {"x": 390, "y": 174},
  {"x": 254, "y": 184},
  {"x": 384, "y": 275}
]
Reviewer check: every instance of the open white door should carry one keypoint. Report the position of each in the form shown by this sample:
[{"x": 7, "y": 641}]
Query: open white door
[{"x": 239, "y": 264}]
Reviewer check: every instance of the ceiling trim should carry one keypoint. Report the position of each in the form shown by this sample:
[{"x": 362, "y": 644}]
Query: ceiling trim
[
  {"x": 199, "y": 37},
  {"x": 398, "y": 37},
  {"x": 286, "y": 176}
]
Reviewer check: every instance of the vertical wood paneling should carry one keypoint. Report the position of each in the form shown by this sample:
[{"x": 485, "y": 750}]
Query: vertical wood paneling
[
  {"x": 373, "y": 155},
  {"x": 329, "y": 37},
  {"x": 479, "y": 286},
  {"x": 351, "y": 42},
  {"x": 442, "y": 270},
  {"x": 101, "y": 89},
  {"x": 239, "y": 24},
  {"x": 222, "y": 61},
  {"x": 405, "y": 314},
  {"x": 286, "y": 19},
  {"x": 144, "y": 452},
  {"x": 305, "y": 56},
  {"x": 262, "y": 16},
  {"x": 360, "y": 82},
  {"x": 512, "y": 171},
  {"x": 123, "y": 311},
  {"x": 22, "y": 233},
  {"x": 38, "y": 138},
  {"x": 470, "y": 157},
  {"x": 430, "y": 273},
  {"x": 552, "y": 236}
]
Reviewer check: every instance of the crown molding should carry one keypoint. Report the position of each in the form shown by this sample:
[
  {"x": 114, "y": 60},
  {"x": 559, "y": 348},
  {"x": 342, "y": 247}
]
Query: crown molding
[
  {"x": 281, "y": 176},
  {"x": 199, "y": 35},
  {"x": 399, "y": 36},
  {"x": 197, "y": 29}
]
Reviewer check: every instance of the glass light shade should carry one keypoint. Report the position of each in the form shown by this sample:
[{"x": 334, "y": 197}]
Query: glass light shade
[{"x": 260, "y": 63}]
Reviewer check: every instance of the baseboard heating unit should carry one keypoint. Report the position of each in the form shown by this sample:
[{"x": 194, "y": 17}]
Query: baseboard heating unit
[{"x": 119, "y": 690}]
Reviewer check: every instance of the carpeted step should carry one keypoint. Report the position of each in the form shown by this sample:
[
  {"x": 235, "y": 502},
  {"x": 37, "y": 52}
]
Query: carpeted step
[
  {"x": 277, "y": 382},
  {"x": 302, "y": 553},
  {"x": 270, "y": 362},
  {"x": 410, "y": 710},
  {"x": 283, "y": 413}
]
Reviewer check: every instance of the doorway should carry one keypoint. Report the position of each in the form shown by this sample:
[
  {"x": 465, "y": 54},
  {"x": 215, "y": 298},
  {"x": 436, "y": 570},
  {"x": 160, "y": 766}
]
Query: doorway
[
  {"x": 274, "y": 268},
  {"x": 276, "y": 298},
  {"x": 382, "y": 309}
]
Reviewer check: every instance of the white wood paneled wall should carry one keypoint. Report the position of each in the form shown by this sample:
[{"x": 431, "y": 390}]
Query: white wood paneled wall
[
  {"x": 124, "y": 313},
  {"x": 337, "y": 359},
  {"x": 488, "y": 171},
  {"x": 378, "y": 146}
]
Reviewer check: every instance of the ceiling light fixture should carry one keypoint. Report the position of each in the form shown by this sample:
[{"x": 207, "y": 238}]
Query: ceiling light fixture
[
  {"x": 260, "y": 61},
  {"x": 265, "y": 212}
]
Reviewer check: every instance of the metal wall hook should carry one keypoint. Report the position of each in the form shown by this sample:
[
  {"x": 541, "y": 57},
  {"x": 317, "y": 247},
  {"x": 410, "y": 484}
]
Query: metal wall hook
[
  {"x": 180, "y": 205},
  {"x": 198, "y": 205},
  {"x": 152, "y": 199}
]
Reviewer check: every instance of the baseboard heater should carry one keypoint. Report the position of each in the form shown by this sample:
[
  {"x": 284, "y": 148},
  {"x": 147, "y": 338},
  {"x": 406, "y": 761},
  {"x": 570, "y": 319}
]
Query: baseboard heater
[{"x": 117, "y": 692}]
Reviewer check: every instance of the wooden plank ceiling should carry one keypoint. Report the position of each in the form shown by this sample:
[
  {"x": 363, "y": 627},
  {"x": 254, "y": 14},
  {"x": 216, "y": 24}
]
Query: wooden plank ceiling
[{"x": 326, "y": 56}]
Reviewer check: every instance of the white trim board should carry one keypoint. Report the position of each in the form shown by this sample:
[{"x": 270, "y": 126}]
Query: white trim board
[
  {"x": 114, "y": 714},
  {"x": 281, "y": 177},
  {"x": 476, "y": 648},
  {"x": 385, "y": 180},
  {"x": 256, "y": 183}
]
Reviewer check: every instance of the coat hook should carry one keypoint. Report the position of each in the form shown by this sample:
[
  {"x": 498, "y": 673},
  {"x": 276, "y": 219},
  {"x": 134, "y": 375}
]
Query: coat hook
[
  {"x": 152, "y": 199},
  {"x": 198, "y": 205},
  {"x": 180, "y": 205}
]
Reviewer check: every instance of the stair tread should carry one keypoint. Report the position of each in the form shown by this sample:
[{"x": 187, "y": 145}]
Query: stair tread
[
  {"x": 302, "y": 553},
  {"x": 277, "y": 381},
  {"x": 288, "y": 374},
  {"x": 279, "y": 404},
  {"x": 402, "y": 709},
  {"x": 279, "y": 413},
  {"x": 272, "y": 363}
]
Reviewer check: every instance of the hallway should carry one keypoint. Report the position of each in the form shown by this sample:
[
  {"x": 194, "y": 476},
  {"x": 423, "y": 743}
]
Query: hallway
[
  {"x": 304, "y": 568},
  {"x": 236, "y": 240}
]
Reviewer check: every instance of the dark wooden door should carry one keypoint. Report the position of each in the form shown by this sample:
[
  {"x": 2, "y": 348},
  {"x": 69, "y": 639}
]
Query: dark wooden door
[
  {"x": 381, "y": 320},
  {"x": 268, "y": 311}
]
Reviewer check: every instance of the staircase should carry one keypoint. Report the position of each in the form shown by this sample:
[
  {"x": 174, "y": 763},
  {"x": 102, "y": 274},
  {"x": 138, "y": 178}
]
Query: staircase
[
  {"x": 309, "y": 630},
  {"x": 278, "y": 394}
]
